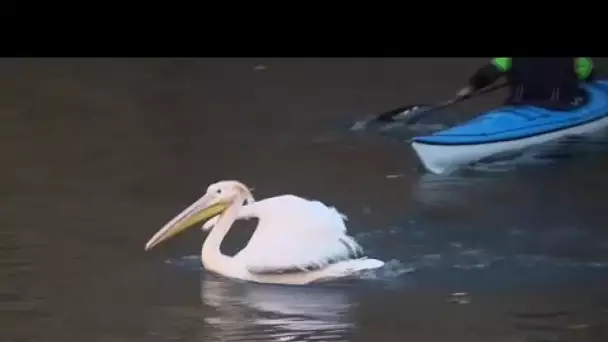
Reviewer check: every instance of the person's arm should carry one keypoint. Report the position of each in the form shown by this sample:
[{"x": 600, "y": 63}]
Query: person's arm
[{"x": 487, "y": 75}]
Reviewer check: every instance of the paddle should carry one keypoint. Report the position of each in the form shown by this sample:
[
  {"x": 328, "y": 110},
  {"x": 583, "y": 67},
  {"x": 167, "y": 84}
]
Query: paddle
[{"x": 413, "y": 113}]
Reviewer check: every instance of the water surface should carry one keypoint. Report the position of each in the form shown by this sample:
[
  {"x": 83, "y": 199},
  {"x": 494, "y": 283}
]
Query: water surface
[{"x": 99, "y": 153}]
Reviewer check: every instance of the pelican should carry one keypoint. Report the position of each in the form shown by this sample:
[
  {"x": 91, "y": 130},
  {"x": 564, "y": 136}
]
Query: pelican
[{"x": 297, "y": 241}]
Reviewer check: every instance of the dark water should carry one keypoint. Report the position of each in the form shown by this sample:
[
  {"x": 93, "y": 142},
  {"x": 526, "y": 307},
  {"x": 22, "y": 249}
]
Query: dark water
[{"x": 98, "y": 154}]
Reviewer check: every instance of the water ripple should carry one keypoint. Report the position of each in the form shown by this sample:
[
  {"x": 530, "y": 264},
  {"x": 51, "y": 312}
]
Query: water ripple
[
  {"x": 251, "y": 312},
  {"x": 416, "y": 256},
  {"x": 410, "y": 249}
]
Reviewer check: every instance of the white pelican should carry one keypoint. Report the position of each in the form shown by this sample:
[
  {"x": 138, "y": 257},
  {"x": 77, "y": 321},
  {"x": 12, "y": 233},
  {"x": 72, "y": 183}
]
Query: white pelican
[{"x": 297, "y": 241}]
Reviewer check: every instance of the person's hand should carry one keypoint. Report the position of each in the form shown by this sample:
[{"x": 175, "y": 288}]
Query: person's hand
[{"x": 466, "y": 91}]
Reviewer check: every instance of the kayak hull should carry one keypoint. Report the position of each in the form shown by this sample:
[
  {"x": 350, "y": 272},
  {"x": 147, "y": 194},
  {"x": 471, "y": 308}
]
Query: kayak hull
[{"x": 511, "y": 130}]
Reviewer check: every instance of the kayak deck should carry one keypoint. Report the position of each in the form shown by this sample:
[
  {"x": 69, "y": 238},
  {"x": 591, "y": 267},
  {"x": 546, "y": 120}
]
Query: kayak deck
[{"x": 512, "y": 123}]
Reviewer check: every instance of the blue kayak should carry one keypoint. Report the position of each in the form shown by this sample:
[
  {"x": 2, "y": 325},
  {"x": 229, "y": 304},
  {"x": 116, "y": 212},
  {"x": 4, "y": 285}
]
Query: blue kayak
[{"x": 511, "y": 129}]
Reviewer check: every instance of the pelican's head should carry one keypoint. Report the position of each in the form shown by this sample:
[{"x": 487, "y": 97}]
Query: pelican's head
[{"x": 216, "y": 200}]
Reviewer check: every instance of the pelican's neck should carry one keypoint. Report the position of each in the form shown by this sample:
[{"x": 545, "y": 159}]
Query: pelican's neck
[{"x": 211, "y": 256}]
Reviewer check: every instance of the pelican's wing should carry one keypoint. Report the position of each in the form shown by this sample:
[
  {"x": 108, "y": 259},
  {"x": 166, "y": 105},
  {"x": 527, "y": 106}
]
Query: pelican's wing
[{"x": 294, "y": 233}]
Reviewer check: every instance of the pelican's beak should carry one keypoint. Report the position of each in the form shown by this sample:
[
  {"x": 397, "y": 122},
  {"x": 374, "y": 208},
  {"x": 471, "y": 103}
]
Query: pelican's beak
[{"x": 203, "y": 209}]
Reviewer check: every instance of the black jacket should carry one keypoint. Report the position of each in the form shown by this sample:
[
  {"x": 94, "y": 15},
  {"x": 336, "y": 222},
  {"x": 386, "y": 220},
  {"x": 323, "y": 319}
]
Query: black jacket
[{"x": 545, "y": 82}]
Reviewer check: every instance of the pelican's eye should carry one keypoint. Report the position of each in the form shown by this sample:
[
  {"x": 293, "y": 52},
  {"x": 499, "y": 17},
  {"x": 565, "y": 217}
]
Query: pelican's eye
[{"x": 218, "y": 191}]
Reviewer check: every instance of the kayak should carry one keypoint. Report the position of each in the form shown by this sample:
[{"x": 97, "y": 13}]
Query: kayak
[{"x": 511, "y": 130}]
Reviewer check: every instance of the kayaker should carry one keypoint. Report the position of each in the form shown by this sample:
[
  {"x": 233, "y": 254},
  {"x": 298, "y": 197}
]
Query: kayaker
[{"x": 545, "y": 82}]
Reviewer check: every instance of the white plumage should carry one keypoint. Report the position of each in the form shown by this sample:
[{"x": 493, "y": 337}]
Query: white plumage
[
  {"x": 305, "y": 234},
  {"x": 297, "y": 241}
]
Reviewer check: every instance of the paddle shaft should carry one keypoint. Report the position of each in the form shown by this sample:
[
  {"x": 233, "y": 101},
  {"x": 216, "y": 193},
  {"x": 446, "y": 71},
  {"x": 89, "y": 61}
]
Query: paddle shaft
[{"x": 415, "y": 116}]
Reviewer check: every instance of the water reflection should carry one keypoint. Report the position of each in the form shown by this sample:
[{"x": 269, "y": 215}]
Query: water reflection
[
  {"x": 548, "y": 164},
  {"x": 432, "y": 189},
  {"x": 259, "y": 312}
]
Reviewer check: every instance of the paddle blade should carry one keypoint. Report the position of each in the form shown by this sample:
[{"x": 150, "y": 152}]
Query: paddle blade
[{"x": 401, "y": 113}]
